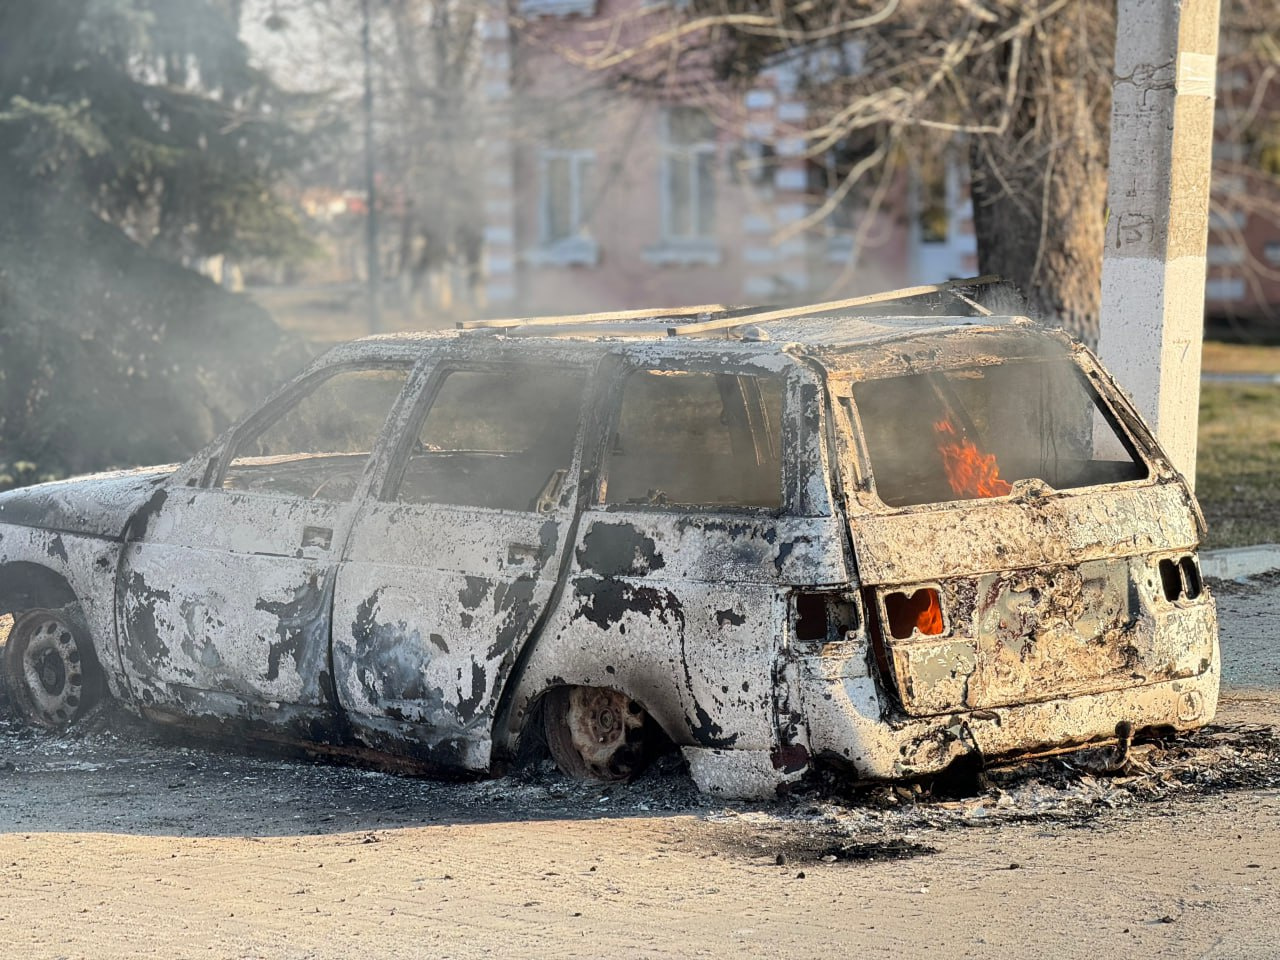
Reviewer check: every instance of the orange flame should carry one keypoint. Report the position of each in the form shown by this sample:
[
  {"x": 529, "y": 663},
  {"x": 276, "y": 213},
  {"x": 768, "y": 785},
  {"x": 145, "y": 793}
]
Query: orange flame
[
  {"x": 929, "y": 621},
  {"x": 971, "y": 474}
]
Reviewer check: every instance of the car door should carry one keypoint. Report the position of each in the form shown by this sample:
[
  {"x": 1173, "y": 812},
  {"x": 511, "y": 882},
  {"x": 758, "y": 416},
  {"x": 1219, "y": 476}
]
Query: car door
[
  {"x": 681, "y": 562},
  {"x": 224, "y": 590},
  {"x": 446, "y": 577}
]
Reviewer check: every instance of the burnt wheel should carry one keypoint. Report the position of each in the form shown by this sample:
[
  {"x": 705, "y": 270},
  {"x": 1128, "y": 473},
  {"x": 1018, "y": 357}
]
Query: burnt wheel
[
  {"x": 596, "y": 734},
  {"x": 50, "y": 672}
]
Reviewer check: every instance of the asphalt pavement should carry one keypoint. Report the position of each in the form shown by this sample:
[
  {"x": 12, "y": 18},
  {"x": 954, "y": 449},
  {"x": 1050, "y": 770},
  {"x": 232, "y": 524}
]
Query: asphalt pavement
[{"x": 1249, "y": 629}]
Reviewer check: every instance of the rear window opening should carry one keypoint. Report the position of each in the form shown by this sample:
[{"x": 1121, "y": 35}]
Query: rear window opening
[
  {"x": 973, "y": 433},
  {"x": 920, "y": 611}
]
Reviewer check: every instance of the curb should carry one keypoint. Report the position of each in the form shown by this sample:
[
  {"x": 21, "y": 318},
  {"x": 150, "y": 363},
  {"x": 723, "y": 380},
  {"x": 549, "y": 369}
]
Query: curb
[{"x": 1235, "y": 563}]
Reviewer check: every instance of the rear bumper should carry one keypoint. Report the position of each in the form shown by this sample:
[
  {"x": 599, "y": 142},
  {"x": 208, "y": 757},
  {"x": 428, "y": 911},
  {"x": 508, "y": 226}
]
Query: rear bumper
[{"x": 850, "y": 724}]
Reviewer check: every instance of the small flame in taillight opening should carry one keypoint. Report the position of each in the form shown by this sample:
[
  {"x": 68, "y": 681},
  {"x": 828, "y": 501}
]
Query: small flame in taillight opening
[
  {"x": 970, "y": 472},
  {"x": 929, "y": 621},
  {"x": 921, "y": 610}
]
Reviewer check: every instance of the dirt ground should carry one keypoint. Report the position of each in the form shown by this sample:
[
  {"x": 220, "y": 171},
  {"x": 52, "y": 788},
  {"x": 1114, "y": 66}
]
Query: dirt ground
[{"x": 117, "y": 843}]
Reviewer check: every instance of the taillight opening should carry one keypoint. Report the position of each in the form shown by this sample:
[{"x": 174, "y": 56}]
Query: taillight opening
[
  {"x": 1190, "y": 577},
  {"x": 823, "y": 617},
  {"x": 1170, "y": 580},
  {"x": 918, "y": 612},
  {"x": 1180, "y": 579}
]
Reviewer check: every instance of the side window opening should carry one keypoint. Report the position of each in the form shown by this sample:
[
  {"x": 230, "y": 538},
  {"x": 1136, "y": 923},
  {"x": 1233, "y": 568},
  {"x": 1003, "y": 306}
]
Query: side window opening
[
  {"x": 501, "y": 440},
  {"x": 697, "y": 439},
  {"x": 318, "y": 448}
]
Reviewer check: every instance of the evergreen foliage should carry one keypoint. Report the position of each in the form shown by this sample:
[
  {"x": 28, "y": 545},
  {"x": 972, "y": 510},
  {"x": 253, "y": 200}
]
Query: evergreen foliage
[{"x": 135, "y": 137}]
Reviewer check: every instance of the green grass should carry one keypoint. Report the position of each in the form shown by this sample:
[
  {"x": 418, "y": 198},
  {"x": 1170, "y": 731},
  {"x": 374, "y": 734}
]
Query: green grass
[{"x": 1238, "y": 468}]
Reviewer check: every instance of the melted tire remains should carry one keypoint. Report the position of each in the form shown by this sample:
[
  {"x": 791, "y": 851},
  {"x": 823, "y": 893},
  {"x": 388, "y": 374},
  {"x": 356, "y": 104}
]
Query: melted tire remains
[
  {"x": 50, "y": 672},
  {"x": 596, "y": 734}
]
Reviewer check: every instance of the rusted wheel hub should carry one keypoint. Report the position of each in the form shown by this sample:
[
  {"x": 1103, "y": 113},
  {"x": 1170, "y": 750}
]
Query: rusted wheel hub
[
  {"x": 595, "y": 733},
  {"x": 45, "y": 669}
]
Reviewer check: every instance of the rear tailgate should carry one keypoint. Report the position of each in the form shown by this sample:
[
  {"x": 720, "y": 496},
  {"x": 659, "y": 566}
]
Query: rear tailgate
[{"x": 1041, "y": 598}]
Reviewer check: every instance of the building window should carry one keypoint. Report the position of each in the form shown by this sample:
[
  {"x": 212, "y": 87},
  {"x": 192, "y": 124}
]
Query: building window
[
  {"x": 688, "y": 175},
  {"x": 1272, "y": 252},
  {"x": 1225, "y": 220},
  {"x": 827, "y": 176},
  {"x": 1220, "y": 254},
  {"x": 565, "y": 201},
  {"x": 557, "y": 8},
  {"x": 1224, "y": 288},
  {"x": 688, "y": 185}
]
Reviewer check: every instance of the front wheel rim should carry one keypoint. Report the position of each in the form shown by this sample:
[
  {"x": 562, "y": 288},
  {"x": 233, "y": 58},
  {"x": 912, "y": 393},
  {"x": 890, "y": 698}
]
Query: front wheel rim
[{"x": 51, "y": 669}]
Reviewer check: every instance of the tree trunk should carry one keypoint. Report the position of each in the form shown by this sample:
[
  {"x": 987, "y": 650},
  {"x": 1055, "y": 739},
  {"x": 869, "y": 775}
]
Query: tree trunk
[{"x": 1039, "y": 189}]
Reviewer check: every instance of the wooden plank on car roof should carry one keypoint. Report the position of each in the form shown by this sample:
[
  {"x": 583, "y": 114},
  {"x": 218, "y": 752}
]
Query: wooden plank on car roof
[
  {"x": 649, "y": 313},
  {"x": 725, "y": 323}
]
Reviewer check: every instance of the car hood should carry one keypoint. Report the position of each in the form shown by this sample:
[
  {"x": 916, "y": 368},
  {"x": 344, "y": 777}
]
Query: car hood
[{"x": 96, "y": 505}]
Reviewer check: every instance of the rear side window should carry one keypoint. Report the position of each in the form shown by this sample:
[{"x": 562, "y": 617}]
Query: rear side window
[
  {"x": 697, "y": 439},
  {"x": 502, "y": 440}
]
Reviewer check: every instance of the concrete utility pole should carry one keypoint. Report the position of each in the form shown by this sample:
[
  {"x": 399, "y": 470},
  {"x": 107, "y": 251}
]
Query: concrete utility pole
[
  {"x": 1153, "y": 267},
  {"x": 372, "y": 260}
]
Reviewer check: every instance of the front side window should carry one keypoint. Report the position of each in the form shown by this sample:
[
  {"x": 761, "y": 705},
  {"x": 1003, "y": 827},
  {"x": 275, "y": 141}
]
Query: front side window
[
  {"x": 971, "y": 434},
  {"x": 501, "y": 440},
  {"x": 318, "y": 447},
  {"x": 697, "y": 439}
]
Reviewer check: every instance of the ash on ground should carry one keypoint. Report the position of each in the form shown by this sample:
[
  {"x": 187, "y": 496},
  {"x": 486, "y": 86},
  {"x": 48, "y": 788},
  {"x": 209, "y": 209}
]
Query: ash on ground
[{"x": 114, "y": 773}]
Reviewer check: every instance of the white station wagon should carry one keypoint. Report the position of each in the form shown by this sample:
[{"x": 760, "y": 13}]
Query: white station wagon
[{"x": 783, "y": 542}]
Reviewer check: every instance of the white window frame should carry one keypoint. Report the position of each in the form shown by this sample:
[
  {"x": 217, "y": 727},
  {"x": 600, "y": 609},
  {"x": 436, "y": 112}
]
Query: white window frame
[
  {"x": 578, "y": 247},
  {"x": 693, "y": 153},
  {"x": 698, "y": 249}
]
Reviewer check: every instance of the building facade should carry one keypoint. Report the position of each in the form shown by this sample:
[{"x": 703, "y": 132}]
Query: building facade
[{"x": 607, "y": 192}]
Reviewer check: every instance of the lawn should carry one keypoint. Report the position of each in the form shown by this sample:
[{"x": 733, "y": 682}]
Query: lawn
[{"x": 1239, "y": 461}]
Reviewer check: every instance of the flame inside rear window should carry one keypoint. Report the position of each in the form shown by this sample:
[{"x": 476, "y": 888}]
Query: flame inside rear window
[{"x": 974, "y": 433}]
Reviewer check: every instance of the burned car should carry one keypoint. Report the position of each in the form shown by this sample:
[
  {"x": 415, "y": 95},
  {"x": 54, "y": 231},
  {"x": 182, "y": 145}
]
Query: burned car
[{"x": 782, "y": 542}]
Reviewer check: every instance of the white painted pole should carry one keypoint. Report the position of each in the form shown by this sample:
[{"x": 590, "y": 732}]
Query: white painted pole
[{"x": 1153, "y": 267}]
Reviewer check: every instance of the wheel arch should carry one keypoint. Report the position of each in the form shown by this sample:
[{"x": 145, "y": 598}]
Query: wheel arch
[
  {"x": 24, "y": 585},
  {"x": 529, "y": 735}
]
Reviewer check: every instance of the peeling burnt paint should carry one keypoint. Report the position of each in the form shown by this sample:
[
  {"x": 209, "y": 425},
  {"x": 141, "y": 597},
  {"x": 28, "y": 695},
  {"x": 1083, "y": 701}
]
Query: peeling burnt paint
[
  {"x": 619, "y": 550},
  {"x": 730, "y": 617},
  {"x": 302, "y": 630},
  {"x": 149, "y": 648},
  {"x": 606, "y": 602},
  {"x": 96, "y": 505},
  {"x": 140, "y": 521},
  {"x": 379, "y": 664},
  {"x": 57, "y": 550}
]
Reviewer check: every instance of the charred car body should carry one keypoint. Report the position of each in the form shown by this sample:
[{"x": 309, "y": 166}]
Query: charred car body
[{"x": 878, "y": 544}]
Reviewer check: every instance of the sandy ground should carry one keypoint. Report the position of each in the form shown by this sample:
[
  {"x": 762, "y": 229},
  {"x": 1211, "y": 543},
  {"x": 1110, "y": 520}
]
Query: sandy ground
[{"x": 115, "y": 843}]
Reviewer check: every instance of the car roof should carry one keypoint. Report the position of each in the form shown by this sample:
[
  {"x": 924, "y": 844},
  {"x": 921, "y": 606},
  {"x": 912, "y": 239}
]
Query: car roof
[
  {"x": 837, "y": 334},
  {"x": 822, "y": 335}
]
